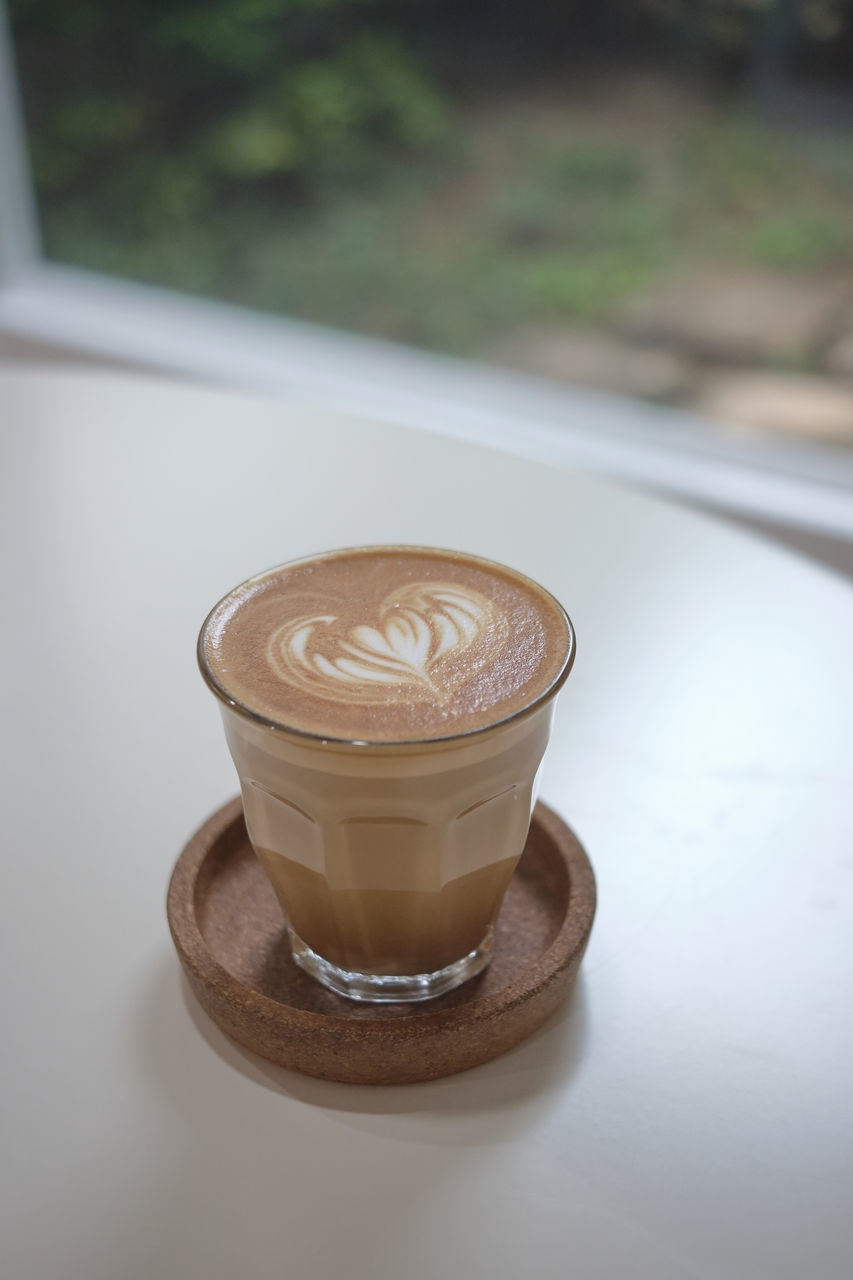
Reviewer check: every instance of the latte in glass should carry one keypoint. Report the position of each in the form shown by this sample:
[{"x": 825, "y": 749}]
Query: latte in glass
[{"x": 387, "y": 709}]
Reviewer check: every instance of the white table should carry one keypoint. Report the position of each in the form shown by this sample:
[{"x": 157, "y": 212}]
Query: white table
[{"x": 689, "y": 1114}]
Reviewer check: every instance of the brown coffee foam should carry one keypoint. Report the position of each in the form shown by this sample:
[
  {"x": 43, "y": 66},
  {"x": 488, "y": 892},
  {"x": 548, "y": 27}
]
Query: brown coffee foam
[{"x": 480, "y": 684}]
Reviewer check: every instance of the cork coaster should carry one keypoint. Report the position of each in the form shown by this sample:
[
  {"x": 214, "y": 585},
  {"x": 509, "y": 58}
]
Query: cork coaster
[{"x": 229, "y": 932}]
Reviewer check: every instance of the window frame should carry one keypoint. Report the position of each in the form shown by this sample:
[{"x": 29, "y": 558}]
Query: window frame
[{"x": 670, "y": 451}]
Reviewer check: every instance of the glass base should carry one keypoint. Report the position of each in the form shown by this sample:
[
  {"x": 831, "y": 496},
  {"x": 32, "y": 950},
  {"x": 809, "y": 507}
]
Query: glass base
[{"x": 385, "y": 988}]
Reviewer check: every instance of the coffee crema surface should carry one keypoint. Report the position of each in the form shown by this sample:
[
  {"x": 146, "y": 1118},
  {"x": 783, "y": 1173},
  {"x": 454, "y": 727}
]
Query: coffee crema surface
[{"x": 387, "y": 644}]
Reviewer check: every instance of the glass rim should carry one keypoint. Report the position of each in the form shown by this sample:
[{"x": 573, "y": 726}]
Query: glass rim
[{"x": 378, "y": 744}]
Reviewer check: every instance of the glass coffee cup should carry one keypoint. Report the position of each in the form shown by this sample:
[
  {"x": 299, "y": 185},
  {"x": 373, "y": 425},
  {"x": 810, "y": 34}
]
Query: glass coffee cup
[{"x": 387, "y": 710}]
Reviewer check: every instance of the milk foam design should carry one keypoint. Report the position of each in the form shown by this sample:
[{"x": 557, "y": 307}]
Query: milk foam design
[{"x": 427, "y": 640}]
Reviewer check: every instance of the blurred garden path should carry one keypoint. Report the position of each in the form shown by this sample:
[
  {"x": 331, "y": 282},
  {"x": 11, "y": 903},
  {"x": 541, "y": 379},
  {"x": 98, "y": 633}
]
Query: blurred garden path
[
  {"x": 758, "y": 351},
  {"x": 744, "y": 308}
]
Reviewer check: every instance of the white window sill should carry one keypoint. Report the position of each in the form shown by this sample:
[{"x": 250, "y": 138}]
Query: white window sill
[{"x": 670, "y": 451}]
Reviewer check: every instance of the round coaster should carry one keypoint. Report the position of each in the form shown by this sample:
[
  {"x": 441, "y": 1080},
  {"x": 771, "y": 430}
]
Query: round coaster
[{"x": 229, "y": 932}]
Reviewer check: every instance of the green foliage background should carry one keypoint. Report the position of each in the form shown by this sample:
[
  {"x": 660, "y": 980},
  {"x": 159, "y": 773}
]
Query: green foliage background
[
  {"x": 208, "y": 97},
  {"x": 319, "y": 157}
]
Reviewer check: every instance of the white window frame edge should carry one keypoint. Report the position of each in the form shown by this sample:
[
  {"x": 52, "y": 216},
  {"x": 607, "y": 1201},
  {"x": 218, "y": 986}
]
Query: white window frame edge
[
  {"x": 666, "y": 450},
  {"x": 20, "y": 247}
]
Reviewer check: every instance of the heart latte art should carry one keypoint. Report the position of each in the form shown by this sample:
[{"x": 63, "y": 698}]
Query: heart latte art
[
  {"x": 426, "y": 642},
  {"x": 386, "y": 645}
]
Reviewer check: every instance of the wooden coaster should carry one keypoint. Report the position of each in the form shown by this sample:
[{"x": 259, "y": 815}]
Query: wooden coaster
[{"x": 229, "y": 932}]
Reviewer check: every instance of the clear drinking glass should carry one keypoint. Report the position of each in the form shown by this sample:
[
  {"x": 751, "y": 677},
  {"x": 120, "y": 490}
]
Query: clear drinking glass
[{"x": 390, "y": 859}]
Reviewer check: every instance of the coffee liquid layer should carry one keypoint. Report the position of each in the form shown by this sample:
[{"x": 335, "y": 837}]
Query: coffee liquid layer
[
  {"x": 387, "y": 644},
  {"x": 389, "y": 931}
]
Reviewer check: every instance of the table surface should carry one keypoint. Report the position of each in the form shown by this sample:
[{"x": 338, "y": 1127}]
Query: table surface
[{"x": 688, "y": 1114}]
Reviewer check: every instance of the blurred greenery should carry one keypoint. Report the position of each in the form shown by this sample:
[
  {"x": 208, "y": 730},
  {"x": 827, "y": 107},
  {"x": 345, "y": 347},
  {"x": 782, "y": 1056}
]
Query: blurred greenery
[
  {"x": 335, "y": 159},
  {"x": 798, "y": 238}
]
